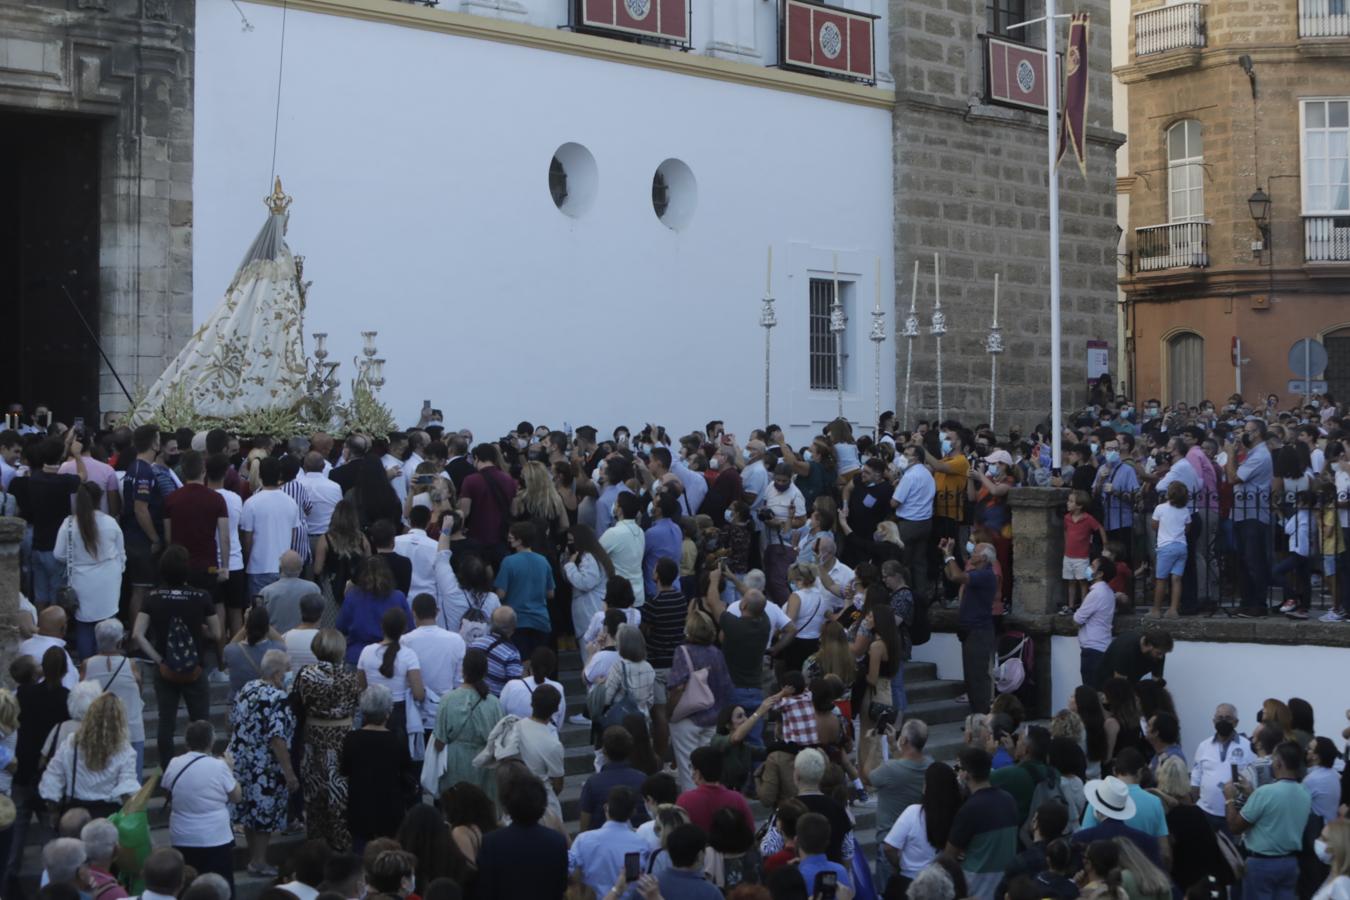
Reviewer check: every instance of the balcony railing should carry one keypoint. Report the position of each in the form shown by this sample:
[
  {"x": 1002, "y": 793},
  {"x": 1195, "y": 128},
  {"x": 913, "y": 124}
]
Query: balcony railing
[
  {"x": 1326, "y": 238},
  {"x": 1172, "y": 27},
  {"x": 1324, "y": 18},
  {"x": 1181, "y": 245}
]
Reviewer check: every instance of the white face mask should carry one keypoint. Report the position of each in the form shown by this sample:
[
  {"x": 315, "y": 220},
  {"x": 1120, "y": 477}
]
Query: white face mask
[
  {"x": 806, "y": 456},
  {"x": 902, "y": 463},
  {"x": 728, "y": 516},
  {"x": 970, "y": 548},
  {"x": 1323, "y": 851},
  {"x": 714, "y": 463}
]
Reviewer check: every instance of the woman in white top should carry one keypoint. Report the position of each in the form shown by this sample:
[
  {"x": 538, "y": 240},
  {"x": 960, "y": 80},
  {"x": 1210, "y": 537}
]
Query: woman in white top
[
  {"x": 9, "y": 736},
  {"x": 618, "y": 596},
  {"x": 631, "y": 674},
  {"x": 95, "y": 767},
  {"x": 921, "y": 832},
  {"x": 90, "y": 544},
  {"x": 588, "y": 570},
  {"x": 457, "y": 594},
  {"x": 396, "y": 668},
  {"x": 516, "y": 693},
  {"x": 806, "y": 607},
  {"x": 605, "y": 651},
  {"x": 1333, "y": 849},
  {"x": 201, "y": 788},
  {"x": 113, "y": 672}
]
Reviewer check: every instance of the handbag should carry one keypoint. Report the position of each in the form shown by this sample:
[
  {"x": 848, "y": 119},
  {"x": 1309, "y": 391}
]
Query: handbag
[
  {"x": 621, "y": 708},
  {"x": 697, "y": 696},
  {"x": 433, "y": 767},
  {"x": 66, "y": 596}
]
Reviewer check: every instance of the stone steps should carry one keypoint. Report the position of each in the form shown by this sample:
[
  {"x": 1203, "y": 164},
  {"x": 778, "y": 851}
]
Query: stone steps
[{"x": 930, "y": 699}]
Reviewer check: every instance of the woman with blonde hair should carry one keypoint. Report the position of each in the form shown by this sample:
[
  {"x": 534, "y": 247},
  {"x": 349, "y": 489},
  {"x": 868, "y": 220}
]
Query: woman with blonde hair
[
  {"x": 540, "y": 502},
  {"x": 693, "y": 726},
  {"x": 112, "y": 671},
  {"x": 9, "y": 735},
  {"x": 668, "y": 817},
  {"x": 834, "y": 656},
  {"x": 96, "y": 766},
  {"x": 1333, "y": 849},
  {"x": 340, "y": 552},
  {"x": 806, "y": 607},
  {"x": 1140, "y": 877},
  {"x": 1195, "y": 850}
]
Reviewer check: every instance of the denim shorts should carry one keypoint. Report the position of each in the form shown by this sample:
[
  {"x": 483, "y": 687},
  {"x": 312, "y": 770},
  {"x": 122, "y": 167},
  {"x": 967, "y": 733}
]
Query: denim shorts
[{"x": 1171, "y": 560}]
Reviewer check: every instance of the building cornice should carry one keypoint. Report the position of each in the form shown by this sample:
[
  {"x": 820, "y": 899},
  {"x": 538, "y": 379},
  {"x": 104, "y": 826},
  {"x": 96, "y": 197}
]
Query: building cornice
[
  {"x": 1169, "y": 285},
  {"x": 1188, "y": 60},
  {"x": 555, "y": 40}
]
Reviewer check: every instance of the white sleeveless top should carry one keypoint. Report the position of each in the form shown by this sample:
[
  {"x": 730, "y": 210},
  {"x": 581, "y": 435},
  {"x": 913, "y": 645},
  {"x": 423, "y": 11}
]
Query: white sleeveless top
[
  {"x": 811, "y": 611},
  {"x": 114, "y": 673},
  {"x": 847, "y": 457}
]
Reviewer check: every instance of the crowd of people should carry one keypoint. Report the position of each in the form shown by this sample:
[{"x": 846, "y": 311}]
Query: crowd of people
[{"x": 386, "y": 616}]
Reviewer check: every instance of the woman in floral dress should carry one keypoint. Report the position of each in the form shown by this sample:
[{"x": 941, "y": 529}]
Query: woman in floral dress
[
  {"x": 327, "y": 693},
  {"x": 263, "y": 724}
]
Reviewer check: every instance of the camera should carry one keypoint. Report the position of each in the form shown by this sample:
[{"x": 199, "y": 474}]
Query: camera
[{"x": 764, "y": 514}]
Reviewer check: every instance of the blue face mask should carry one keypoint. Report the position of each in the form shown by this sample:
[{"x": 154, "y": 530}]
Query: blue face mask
[
  {"x": 1113, "y": 456},
  {"x": 946, "y": 446},
  {"x": 728, "y": 516},
  {"x": 1094, "y": 447},
  {"x": 970, "y": 548}
]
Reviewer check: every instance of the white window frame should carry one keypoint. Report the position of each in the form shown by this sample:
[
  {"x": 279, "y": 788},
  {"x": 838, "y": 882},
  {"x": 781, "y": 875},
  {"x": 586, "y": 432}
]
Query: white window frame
[
  {"x": 826, "y": 339},
  {"x": 1308, "y": 208},
  {"x": 1193, "y": 165}
]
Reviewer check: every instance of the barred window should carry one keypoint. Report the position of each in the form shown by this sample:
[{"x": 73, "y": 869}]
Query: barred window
[
  {"x": 999, "y": 14},
  {"x": 826, "y": 361}
]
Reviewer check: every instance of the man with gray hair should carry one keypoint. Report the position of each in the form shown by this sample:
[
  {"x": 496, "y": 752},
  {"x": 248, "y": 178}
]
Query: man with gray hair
[
  {"x": 835, "y": 577},
  {"x": 975, "y": 618},
  {"x": 208, "y": 886},
  {"x": 163, "y": 874},
  {"x": 100, "y": 846},
  {"x": 67, "y": 863},
  {"x": 503, "y": 658},
  {"x": 282, "y": 597},
  {"x": 300, "y": 639},
  {"x": 754, "y": 581},
  {"x": 898, "y": 783},
  {"x": 323, "y": 494},
  {"x": 744, "y": 637}
]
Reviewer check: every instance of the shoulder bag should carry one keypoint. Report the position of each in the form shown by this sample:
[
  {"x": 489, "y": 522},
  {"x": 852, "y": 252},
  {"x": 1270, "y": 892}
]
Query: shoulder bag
[
  {"x": 66, "y": 596},
  {"x": 698, "y": 695}
]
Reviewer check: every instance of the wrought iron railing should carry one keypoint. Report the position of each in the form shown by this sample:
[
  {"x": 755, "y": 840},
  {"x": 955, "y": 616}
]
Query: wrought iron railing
[
  {"x": 1326, "y": 238},
  {"x": 1169, "y": 27}
]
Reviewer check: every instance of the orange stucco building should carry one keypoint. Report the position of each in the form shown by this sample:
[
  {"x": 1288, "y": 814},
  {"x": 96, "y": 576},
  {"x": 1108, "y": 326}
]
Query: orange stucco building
[{"x": 1225, "y": 100}]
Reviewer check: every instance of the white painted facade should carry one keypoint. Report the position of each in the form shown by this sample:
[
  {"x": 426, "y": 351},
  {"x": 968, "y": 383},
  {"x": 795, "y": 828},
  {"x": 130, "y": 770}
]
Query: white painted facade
[
  {"x": 1201, "y": 675},
  {"x": 419, "y": 162}
]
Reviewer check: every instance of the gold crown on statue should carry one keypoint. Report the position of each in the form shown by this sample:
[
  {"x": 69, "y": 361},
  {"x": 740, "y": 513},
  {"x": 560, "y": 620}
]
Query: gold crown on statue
[{"x": 278, "y": 201}]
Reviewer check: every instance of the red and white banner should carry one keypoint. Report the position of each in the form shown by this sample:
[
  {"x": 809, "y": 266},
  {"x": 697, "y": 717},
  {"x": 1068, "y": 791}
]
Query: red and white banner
[
  {"x": 821, "y": 38},
  {"x": 667, "y": 20},
  {"x": 1015, "y": 74}
]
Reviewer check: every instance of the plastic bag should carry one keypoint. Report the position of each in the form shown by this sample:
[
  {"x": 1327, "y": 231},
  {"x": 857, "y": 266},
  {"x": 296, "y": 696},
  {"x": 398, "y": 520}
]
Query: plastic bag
[
  {"x": 433, "y": 767},
  {"x": 133, "y": 836}
]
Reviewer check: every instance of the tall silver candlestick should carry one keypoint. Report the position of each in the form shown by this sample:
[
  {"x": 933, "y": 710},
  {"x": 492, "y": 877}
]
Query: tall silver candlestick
[
  {"x": 938, "y": 329},
  {"x": 911, "y": 331},
  {"x": 993, "y": 345},
  {"x": 837, "y": 325},
  {"x": 877, "y": 336},
  {"x": 767, "y": 320}
]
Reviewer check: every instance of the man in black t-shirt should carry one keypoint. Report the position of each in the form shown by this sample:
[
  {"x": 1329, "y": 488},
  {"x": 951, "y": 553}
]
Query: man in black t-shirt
[
  {"x": 164, "y": 610},
  {"x": 744, "y": 639},
  {"x": 868, "y": 506},
  {"x": 809, "y": 770}
]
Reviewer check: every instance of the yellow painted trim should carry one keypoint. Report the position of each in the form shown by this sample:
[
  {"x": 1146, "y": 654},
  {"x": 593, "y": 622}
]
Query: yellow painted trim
[{"x": 406, "y": 15}]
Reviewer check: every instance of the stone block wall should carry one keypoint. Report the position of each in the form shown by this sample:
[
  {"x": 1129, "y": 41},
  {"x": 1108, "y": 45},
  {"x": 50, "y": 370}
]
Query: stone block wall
[
  {"x": 129, "y": 63},
  {"x": 971, "y": 185}
]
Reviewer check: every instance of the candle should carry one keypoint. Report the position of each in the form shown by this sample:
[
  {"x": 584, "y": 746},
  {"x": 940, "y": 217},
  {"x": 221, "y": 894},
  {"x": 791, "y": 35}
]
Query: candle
[
  {"x": 937, "y": 287},
  {"x": 914, "y": 287},
  {"x": 878, "y": 284},
  {"x": 995, "y": 299},
  {"x": 768, "y": 275}
]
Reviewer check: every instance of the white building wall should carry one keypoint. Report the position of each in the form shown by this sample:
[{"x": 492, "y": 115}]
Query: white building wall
[
  {"x": 418, "y": 162},
  {"x": 1203, "y": 675}
]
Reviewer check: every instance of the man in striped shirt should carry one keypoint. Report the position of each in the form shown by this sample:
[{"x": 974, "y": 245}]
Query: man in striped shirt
[
  {"x": 503, "y": 657},
  {"x": 663, "y": 621}
]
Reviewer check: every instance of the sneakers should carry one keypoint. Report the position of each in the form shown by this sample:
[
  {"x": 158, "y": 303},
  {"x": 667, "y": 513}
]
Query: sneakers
[
  {"x": 1334, "y": 615},
  {"x": 1296, "y": 614},
  {"x": 1289, "y": 606},
  {"x": 578, "y": 719},
  {"x": 218, "y": 676}
]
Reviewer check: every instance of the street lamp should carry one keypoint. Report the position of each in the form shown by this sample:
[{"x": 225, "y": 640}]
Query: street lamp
[{"x": 1259, "y": 206}]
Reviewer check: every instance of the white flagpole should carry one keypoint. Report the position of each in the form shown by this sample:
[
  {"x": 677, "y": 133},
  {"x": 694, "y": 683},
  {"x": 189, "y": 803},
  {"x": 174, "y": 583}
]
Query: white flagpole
[
  {"x": 995, "y": 347},
  {"x": 1052, "y": 134},
  {"x": 939, "y": 328}
]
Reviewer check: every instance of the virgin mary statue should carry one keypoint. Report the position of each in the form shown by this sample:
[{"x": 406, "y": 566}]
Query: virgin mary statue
[{"x": 249, "y": 355}]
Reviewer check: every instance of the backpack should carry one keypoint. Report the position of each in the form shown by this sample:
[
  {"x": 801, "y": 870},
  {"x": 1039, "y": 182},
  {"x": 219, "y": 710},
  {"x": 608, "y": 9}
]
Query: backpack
[
  {"x": 181, "y": 663},
  {"x": 474, "y": 623},
  {"x": 1049, "y": 789},
  {"x": 920, "y": 630}
]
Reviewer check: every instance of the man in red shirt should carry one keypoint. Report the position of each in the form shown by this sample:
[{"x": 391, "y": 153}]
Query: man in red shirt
[
  {"x": 196, "y": 518},
  {"x": 708, "y": 795},
  {"x": 485, "y": 501}
]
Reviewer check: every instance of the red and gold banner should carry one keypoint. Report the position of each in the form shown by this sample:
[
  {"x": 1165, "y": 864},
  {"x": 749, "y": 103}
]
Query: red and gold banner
[
  {"x": 667, "y": 20},
  {"x": 1073, "y": 121},
  {"x": 825, "y": 39}
]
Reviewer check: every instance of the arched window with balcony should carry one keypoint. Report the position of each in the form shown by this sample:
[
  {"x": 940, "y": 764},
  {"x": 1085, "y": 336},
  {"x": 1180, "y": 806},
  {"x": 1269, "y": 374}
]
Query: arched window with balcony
[
  {"x": 1185, "y": 172},
  {"x": 1185, "y": 368}
]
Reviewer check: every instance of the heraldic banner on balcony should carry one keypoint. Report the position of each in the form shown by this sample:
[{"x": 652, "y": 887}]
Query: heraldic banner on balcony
[
  {"x": 1015, "y": 74},
  {"x": 824, "y": 39},
  {"x": 666, "y": 20}
]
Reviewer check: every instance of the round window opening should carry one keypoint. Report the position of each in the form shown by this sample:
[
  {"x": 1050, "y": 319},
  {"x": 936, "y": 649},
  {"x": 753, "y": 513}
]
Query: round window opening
[
  {"x": 573, "y": 179},
  {"x": 674, "y": 194}
]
